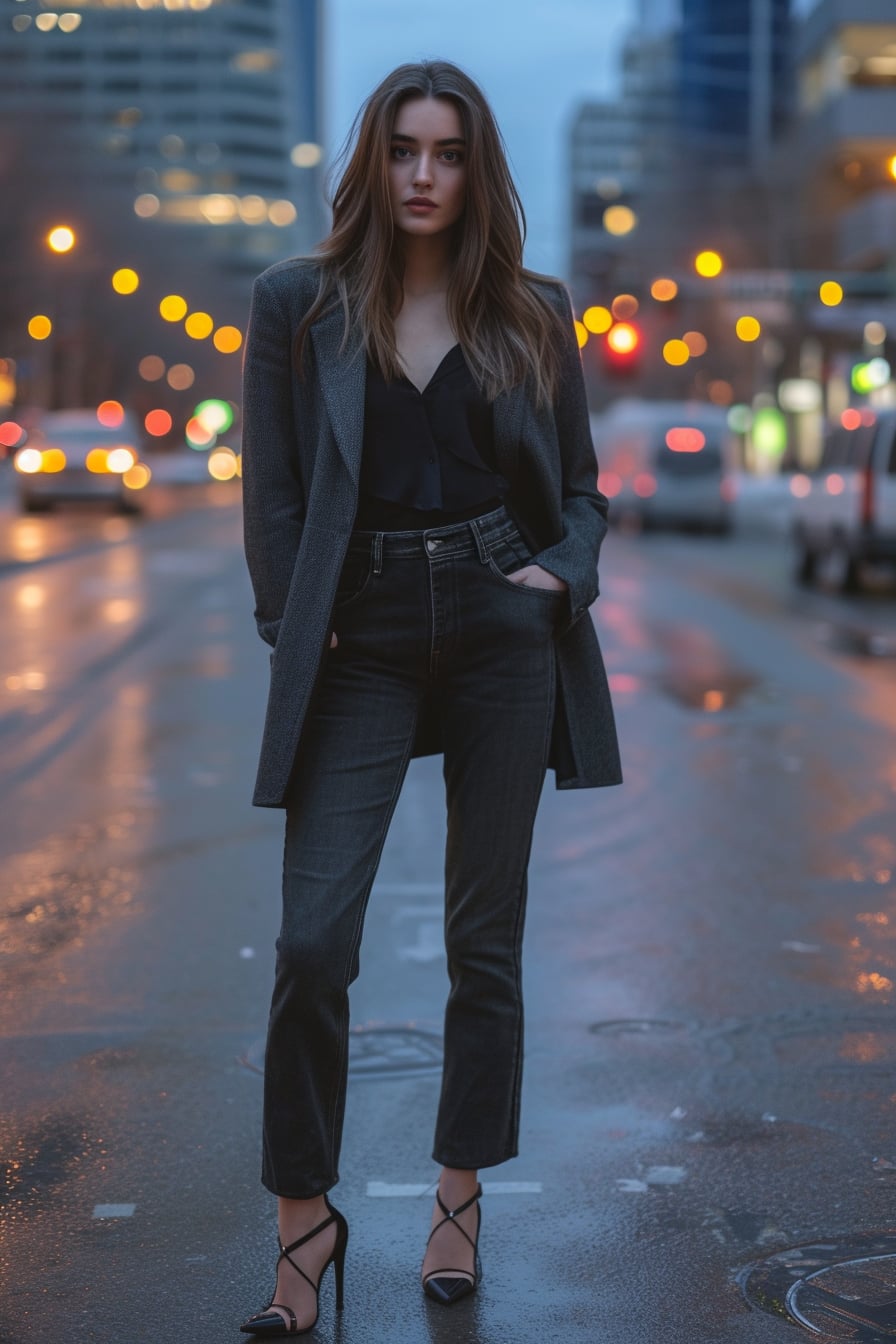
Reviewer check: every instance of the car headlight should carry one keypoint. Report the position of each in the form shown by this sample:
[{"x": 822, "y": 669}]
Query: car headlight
[
  {"x": 120, "y": 460},
  {"x": 28, "y": 461}
]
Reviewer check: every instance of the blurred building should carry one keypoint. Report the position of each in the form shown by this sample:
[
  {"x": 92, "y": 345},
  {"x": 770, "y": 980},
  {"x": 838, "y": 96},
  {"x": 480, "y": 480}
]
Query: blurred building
[
  {"x": 705, "y": 92},
  {"x": 618, "y": 151},
  {"x": 200, "y": 117},
  {"x": 836, "y": 168}
]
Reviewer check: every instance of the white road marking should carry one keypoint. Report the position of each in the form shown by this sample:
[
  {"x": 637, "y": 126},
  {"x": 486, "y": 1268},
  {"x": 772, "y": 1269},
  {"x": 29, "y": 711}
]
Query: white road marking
[
  {"x": 113, "y": 1210},
  {"x": 388, "y": 1190},
  {"x": 430, "y": 944}
]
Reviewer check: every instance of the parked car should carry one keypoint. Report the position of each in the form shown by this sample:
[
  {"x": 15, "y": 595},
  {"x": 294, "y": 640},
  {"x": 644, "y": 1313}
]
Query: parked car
[
  {"x": 667, "y": 463},
  {"x": 70, "y": 455},
  {"x": 844, "y": 512}
]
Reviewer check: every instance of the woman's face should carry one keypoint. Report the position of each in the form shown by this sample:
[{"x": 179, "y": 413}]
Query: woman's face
[{"x": 427, "y": 163}]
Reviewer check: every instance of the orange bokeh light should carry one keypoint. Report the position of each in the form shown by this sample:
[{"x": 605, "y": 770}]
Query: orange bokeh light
[
  {"x": 158, "y": 423},
  {"x": 110, "y": 414},
  {"x": 11, "y": 434}
]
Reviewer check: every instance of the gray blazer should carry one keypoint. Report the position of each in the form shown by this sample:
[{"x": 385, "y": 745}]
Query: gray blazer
[{"x": 301, "y": 456}]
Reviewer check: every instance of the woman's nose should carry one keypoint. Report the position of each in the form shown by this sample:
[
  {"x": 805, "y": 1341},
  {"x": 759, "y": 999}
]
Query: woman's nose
[{"x": 424, "y": 171}]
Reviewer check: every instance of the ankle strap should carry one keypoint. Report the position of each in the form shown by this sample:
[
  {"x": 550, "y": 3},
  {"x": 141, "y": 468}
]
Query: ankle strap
[
  {"x": 294, "y": 1245},
  {"x": 461, "y": 1208}
]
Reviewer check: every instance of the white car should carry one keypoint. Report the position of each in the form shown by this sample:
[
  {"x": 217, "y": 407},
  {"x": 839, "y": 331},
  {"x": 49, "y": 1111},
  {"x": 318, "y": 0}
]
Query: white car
[
  {"x": 666, "y": 463},
  {"x": 70, "y": 455},
  {"x": 844, "y": 513}
]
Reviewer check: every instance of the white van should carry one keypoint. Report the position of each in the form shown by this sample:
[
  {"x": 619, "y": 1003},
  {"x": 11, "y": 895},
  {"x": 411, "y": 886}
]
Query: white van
[
  {"x": 844, "y": 513},
  {"x": 666, "y": 463}
]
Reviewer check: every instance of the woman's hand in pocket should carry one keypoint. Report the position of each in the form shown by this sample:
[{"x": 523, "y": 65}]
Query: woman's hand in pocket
[{"x": 533, "y": 576}]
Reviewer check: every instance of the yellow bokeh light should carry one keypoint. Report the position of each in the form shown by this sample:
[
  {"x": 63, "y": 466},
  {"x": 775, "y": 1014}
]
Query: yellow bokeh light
[
  {"x": 597, "y": 319},
  {"x": 222, "y": 464},
  {"x": 891, "y": 166},
  {"x": 125, "y": 281},
  {"x": 40, "y": 327},
  {"x": 227, "y": 340},
  {"x": 199, "y": 325},
  {"x": 581, "y": 333},
  {"x": 52, "y": 459},
  {"x": 61, "y": 239},
  {"x": 147, "y": 205},
  {"x": 282, "y": 213},
  {"x": 96, "y": 461},
  {"x": 663, "y": 289},
  {"x": 708, "y": 264},
  {"x": 831, "y": 293},
  {"x": 695, "y": 342},
  {"x": 137, "y": 477},
  {"x": 676, "y": 352},
  {"x": 173, "y": 307},
  {"x": 748, "y": 328},
  {"x": 620, "y": 220}
]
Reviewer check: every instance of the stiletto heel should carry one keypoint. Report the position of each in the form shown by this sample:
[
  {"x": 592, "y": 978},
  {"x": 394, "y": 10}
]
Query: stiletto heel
[
  {"x": 339, "y": 1266},
  {"x": 450, "y": 1290},
  {"x": 268, "y": 1322}
]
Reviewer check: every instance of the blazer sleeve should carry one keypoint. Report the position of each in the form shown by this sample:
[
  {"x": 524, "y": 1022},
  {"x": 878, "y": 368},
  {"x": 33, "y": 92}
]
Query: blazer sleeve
[
  {"x": 584, "y": 509},
  {"x": 273, "y": 499}
]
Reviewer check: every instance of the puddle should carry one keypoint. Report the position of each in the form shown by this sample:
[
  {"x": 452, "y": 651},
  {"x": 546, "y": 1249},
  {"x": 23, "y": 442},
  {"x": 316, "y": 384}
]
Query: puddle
[{"x": 709, "y": 691}]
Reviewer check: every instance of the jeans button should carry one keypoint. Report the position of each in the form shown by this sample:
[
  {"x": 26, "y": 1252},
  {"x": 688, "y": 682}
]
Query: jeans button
[{"x": 432, "y": 544}]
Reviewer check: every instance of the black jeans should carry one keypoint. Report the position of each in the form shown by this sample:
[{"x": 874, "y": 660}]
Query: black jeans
[{"x": 422, "y": 619}]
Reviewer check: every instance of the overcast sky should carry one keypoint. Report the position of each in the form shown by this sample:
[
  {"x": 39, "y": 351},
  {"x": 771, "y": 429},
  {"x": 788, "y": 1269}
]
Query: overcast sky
[{"x": 535, "y": 59}]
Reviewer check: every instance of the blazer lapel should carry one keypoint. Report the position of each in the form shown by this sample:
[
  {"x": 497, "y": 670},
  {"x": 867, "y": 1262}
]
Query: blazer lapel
[{"x": 342, "y": 378}]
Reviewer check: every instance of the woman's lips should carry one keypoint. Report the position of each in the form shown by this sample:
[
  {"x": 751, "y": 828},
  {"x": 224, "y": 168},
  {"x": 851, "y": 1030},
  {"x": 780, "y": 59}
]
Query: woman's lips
[{"x": 420, "y": 208}]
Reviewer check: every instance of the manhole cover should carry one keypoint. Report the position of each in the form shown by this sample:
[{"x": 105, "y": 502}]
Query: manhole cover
[
  {"x": 839, "y": 1289},
  {"x": 639, "y": 1026},
  {"x": 377, "y": 1052}
]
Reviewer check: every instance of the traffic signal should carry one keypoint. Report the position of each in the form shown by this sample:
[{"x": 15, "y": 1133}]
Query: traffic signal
[{"x": 622, "y": 349}]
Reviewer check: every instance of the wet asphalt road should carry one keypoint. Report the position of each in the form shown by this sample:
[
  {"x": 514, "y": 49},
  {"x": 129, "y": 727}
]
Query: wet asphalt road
[{"x": 710, "y": 960}]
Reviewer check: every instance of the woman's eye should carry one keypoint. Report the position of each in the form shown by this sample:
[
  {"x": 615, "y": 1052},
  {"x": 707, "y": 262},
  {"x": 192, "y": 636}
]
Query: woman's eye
[{"x": 399, "y": 150}]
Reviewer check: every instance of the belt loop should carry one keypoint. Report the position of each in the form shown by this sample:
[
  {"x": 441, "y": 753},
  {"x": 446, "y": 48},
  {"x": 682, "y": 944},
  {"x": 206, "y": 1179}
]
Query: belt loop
[
  {"x": 378, "y": 553},
  {"x": 481, "y": 547}
]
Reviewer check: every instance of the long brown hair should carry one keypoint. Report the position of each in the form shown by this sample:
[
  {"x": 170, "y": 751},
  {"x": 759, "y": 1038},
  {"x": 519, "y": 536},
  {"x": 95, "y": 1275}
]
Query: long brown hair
[{"x": 507, "y": 329}]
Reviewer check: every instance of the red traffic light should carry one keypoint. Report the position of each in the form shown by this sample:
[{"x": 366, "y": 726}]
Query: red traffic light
[
  {"x": 622, "y": 350},
  {"x": 623, "y": 338}
]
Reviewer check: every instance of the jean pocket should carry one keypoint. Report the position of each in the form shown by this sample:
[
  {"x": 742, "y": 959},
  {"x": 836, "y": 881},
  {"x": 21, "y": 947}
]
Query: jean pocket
[
  {"x": 354, "y": 578},
  {"x": 509, "y": 555}
]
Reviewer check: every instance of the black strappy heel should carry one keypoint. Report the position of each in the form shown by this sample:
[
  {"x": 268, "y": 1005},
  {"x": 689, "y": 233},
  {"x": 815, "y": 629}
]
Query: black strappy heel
[
  {"x": 268, "y": 1322},
  {"x": 450, "y": 1290}
]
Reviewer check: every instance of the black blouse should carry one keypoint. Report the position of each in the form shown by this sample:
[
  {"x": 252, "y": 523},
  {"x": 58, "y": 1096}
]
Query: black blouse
[{"x": 428, "y": 457}]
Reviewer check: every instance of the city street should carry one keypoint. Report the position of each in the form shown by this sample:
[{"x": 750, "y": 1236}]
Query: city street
[{"x": 709, "y": 962}]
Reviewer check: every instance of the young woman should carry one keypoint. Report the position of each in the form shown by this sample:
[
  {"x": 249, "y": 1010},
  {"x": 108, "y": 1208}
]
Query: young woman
[{"x": 422, "y": 530}]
